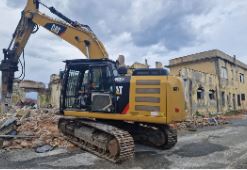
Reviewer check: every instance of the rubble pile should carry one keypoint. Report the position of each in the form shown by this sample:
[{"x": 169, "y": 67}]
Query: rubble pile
[
  {"x": 39, "y": 127},
  {"x": 199, "y": 122}
]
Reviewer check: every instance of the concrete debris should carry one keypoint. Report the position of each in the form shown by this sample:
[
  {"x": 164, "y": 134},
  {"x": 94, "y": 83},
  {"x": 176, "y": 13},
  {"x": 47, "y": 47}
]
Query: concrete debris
[
  {"x": 7, "y": 122},
  {"x": 7, "y": 125},
  {"x": 199, "y": 122},
  {"x": 43, "y": 149},
  {"x": 35, "y": 128},
  {"x": 27, "y": 103},
  {"x": 13, "y": 132}
]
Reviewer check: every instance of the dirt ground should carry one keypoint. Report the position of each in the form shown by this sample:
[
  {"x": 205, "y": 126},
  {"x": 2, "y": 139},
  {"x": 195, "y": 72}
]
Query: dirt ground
[{"x": 211, "y": 147}]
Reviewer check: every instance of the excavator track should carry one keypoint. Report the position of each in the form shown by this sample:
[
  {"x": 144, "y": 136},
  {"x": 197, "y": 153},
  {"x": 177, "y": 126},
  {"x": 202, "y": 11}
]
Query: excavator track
[
  {"x": 158, "y": 136},
  {"x": 101, "y": 139},
  {"x": 171, "y": 138}
]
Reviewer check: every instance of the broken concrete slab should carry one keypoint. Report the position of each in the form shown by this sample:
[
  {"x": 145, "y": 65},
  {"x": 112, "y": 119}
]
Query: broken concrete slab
[
  {"x": 44, "y": 148},
  {"x": 8, "y": 122},
  {"x": 7, "y": 126}
]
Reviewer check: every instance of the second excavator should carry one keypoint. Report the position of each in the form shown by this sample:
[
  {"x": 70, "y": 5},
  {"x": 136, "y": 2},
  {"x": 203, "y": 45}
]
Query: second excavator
[{"x": 105, "y": 111}]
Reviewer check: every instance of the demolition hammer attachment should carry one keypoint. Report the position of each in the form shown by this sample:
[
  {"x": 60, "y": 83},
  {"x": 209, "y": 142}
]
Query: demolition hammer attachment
[{"x": 8, "y": 67}]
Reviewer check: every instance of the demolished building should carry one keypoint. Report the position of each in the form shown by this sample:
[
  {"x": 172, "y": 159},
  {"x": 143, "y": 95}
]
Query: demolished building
[
  {"x": 45, "y": 96},
  {"x": 21, "y": 88},
  {"x": 214, "y": 81}
]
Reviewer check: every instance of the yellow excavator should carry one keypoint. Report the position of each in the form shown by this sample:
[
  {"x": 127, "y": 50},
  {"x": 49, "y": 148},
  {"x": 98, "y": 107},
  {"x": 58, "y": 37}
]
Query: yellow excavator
[{"x": 105, "y": 111}]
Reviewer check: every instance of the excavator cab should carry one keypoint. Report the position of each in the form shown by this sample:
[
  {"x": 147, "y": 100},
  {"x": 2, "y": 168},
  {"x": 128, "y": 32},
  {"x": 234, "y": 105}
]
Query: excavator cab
[{"x": 89, "y": 85}]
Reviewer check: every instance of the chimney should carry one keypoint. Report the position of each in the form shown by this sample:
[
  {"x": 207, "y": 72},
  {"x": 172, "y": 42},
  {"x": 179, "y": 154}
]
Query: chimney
[
  {"x": 158, "y": 64},
  {"x": 121, "y": 60},
  {"x": 146, "y": 63},
  {"x": 234, "y": 59}
]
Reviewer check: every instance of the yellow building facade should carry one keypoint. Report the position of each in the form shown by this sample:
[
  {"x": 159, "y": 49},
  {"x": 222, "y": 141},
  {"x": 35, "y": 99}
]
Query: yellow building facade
[{"x": 214, "y": 82}]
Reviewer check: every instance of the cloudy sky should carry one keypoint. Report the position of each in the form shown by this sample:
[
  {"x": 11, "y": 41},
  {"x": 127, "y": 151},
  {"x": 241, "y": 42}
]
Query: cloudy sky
[{"x": 158, "y": 30}]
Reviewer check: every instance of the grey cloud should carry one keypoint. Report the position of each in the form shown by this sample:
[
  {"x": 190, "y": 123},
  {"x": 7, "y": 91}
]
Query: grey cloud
[
  {"x": 172, "y": 29},
  {"x": 93, "y": 12},
  {"x": 37, "y": 51},
  {"x": 109, "y": 18},
  {"x": 16, "y": 3},
  {"x": 172, "y": 33}
]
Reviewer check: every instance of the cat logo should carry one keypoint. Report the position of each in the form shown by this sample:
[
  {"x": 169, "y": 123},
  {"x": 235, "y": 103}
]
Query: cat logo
[
  {"x": 119, "y": 91},
  {"x": 55, "y": 28}
]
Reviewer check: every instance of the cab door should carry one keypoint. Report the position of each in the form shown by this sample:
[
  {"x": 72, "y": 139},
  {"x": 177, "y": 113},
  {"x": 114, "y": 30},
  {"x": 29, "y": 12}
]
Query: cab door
[{"x": 102, "y": 89}]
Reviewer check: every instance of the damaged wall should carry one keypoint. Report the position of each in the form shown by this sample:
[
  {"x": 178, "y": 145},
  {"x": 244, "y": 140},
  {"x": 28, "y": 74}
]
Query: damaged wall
[
  {"x": 212, "y": 74},
  {"x": 232, "y": 82},
  {"x": 46, "y": 96},
  {"x": 200, "y": 91},
  {"x": 20, "y": 89},
  {"x": 55, "y": 90}
]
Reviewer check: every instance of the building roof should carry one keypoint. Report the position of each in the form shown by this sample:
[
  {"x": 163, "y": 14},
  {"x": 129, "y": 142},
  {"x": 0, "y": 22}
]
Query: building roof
[
  {"x": 205, "y": 56},
  {"x": 137, "y": 64}
]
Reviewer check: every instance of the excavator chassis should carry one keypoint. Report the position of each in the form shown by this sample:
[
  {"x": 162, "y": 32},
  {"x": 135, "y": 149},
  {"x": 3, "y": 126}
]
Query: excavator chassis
[{"x": 114, "y": 140}]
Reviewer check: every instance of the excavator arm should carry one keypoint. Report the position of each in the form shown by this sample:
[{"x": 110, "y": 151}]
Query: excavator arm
[{"x": 79, "y": 35}]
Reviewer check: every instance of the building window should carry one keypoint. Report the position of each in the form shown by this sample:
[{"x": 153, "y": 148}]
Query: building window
[
  {"x": 211, "y": 94},
  {"x": 223, "y": 98},
  {"x": 239, "y": 100},
  {"x": 200, "y": 93},
  {"x": 223, "y": 73},
  {"x": 229, "y": 99},
  {"x": 241, "y": 78},
  {"x": 243, "y": 97}
]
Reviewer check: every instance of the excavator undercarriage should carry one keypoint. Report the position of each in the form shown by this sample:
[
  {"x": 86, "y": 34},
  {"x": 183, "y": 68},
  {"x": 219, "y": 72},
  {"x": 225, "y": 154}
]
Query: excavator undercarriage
[
  {"x": 101, "y": 139},
  {"x": 113, "y": 140}
]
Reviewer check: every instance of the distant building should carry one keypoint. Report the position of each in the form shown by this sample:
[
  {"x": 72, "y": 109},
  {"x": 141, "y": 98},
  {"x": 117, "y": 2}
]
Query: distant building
[
  {"x": 137, "y": 65},
  {"x": 214, "y": 82}
]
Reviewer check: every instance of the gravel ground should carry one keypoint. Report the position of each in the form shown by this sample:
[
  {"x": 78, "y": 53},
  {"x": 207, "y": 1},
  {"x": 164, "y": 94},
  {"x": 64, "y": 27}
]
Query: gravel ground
[{"x": 211, "y": 147}]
